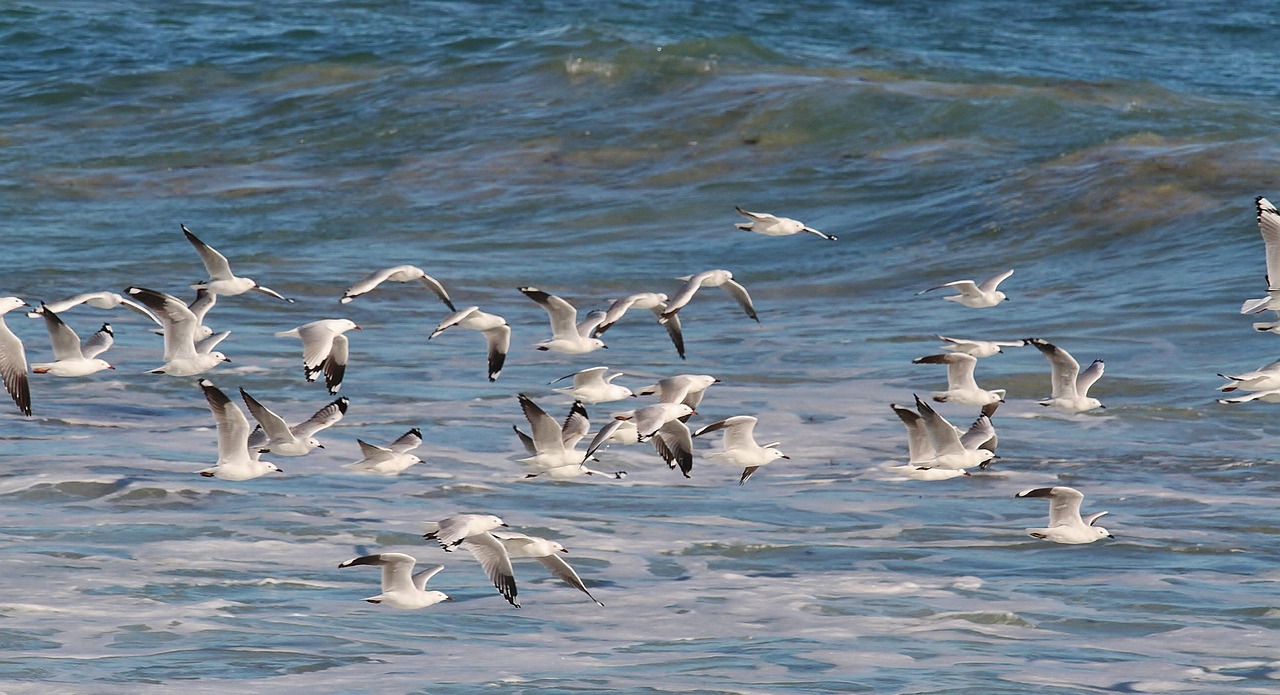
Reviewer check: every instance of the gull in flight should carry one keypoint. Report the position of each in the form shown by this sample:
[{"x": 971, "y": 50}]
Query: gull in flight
[
  {"x": 568, "y": 335},
  {"x": 1264, "y": 378},
  {"x": 183, "y": 356},
  {"x": 453, "y": 530},
  {"x": 740, "y": 447},
  {"x": 235, "y": 459},
  {"x": 653, "y": 301},
  {"x": 594, "y": 385},
  {"x": 1269, "y": 227},
  {"x": 1065, "y": 522},
  {"x": 497, "y": 334},
  {"x": 921, "y": 453},
  {"x": 771, "y": 225},
  {"x": 71, "y": 358},
  {"x": 98, "y": 300},
  {"x": 392, "y": 459},
  {"x": 949, "y": 448},
  {"x": 682, "y": 388},
  {"x": 660, "y": 423},
  {"x": 710, "y": 278},
  {"x": 401, "y": 588},
  {"x": 553, "y": 447},
  {"x": 324, "y": 349},
  {"x": 961, "y": 387},
  {"x": 400, "y": 273},
  {"x": 1070, "y": 385},
  {"x": 275, "y": 435},
  {"x": 13, "y": 359},
  {"x": 221, "y": 279},
  {"x": 975, "y": 295},
  {"x": 978, "y": 348}
]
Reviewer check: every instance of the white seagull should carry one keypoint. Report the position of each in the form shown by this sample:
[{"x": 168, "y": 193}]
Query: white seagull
[
  {"x": 740, "y": 447},
  {"x": 1269, "y": 227},
  {"x": 921, "y": 454},
  {"x": 975, "y": 295},
  {"x": 655, "y": 302},
  {"x": 594, "y": 385},
  {"x": 182, "y": 356},
  {"x": 950, "y": 450},
  {"x": 401, "y": 588},
  {"x": 98, "y": 300},
  {"x": 399, "y": 273},
  {"x": 1065, "y": 522},
  {"x": 519, "y": 545},
  {"x": 275, "y": 435},
  {"x": 961, "y": 387},
  {"x": 772, "y": 225},
  {"x": 710, "y": 278},
  {"x": 568, "y": 335},
  {"x": 1070, "y": 385},
  {"x": 71, "y": 358},
  {"x": 452, "y": 530},
  {"x": 553, "y": 447},
  {"x": 391, "y": 459},
  {"x": 1264, "y": 378},
  {"x": 978, "y": 348},
  {"x": 682, "y": 388},
  {"x": 13, "y": 359},
  {"x": 235, "y": 460},
  {"x": 497, "y": 334},
  {"x": 221, "y": 279},
  {"x": 324, "y": 349}
]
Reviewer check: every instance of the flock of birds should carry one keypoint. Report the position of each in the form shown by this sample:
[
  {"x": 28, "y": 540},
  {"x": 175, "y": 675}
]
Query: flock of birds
[{"x": 936, "y": 449}]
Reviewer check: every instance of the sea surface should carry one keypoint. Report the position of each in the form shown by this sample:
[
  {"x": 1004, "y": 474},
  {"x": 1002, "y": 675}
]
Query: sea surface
[{"x": 1110, "y": 152}]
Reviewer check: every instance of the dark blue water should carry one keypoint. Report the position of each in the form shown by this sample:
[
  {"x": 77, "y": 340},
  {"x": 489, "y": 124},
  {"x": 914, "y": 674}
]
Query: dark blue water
[{"x": 1109, "y": 152}]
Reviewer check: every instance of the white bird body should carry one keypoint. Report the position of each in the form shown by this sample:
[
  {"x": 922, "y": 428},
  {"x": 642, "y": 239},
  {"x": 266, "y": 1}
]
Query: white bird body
[
  {"x": 1065, "y": 523},
  {"x": 594, "y": 385},
  {"x": 236, "y": 461},
  {"x": 401, "y": 588},
  {"x": 71, "y": 358},
  {"x": 13, "y": 359},
  {"x": 497, "y": 334},
  {"x": 324, "y": 349},
  {"x": 182, "y": 355},
  {"x": 961, "y": 386},
  {"x": 772, "y": 225},
  {"x": 1070, "y": 386},
  {"x": 740, "y": 447},
  {"x": 568, "y": 335},
  {"x": 973, "y": 295},
  {"x": 399, "y": 273},
  {"x": 978, "y": 348},
  {"x": 221, "y": 280},
  {"x": 392, "y": 459},
  {"x": 276, "y": 436}
]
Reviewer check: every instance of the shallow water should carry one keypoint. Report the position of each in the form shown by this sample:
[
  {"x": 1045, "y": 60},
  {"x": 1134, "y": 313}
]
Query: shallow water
[{"x": 1108, "y": 152}]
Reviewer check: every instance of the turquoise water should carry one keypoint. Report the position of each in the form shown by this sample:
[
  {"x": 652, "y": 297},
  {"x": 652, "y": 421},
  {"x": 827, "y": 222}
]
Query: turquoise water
[{"x": 1109, "y": 152}]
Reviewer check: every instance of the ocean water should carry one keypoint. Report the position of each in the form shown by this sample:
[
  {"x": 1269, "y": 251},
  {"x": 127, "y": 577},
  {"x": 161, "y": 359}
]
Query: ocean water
[{"x": 1109, "y": 152}]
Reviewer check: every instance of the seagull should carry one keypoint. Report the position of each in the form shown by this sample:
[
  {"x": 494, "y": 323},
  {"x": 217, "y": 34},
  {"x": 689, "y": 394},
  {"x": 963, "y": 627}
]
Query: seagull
[
  {"x": 949, "y": 448},
  {"x": 567, "y": 334},
  {"x": 275, "y": 435},
  {"x": 710, "y": 278},
  {"x": 401, "y": 588},
  {"x": 70, "y": 357},
  {"x": 13, "y": 359},
  {"x": 182, "y": 356},
  {"x": 235, "y": 460},
  {"x": 1269, "y": 227},
  {"x": 740, "y": 447},
  {"x": 1264, "y": 378},
  {"x": 392, "y": 459},
  {"x": 542, "y": 550},
  {"x": 650, "y": 418},
  {"x": 400, "y": 273},
  {"x": 1065, "y": 523},
  {"x": 978, "y": 348},
  {"x": 771, "y": 225},
  {"x": 324, "y": 349},
  {"x": 653, "y": 301},
  {"x": 221, "y": 279},
  {"x": 1070, "y": 385},
  {"x": 553, "y": 447},
  {"x": 452, "y": 530},
  {"x": 961, "y": 388},
  {"x": 594, "y": 385},
  {"x": 495, "y": 329},
  {"x": 973, "y": 295},
  {"x": 98, "y": 300},
  {"x": 662, "y": 424},
  {"x": 682, "y": 388},
  {"x": 921, "y": 453}
]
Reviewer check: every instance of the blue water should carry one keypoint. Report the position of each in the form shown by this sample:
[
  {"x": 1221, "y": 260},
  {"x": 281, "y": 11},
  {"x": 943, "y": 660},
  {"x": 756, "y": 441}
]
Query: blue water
[{"x": 1109, "y": 152}]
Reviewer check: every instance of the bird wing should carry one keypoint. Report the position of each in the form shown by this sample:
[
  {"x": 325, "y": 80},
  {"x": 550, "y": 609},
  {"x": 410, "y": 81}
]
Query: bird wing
[
  {"x": 980, "y": 432},
  {"x": 1091, "y": 374},
  {"x": 420, "y": 579},
  {"x": 563, "y": 315},
  {"x": 1064, "y": 368},
  {"x": 499, "y": 342},
  {"x": 179, "y": 323},
  {"x": 373, "y": 452},
  {"x": 672, "y": 323},
  {"x": 561, "y": 569},
  {"x": 675, "y": 445},
  {"x": 960, "y": 367},
  {"x": 991, "y": 283},
  {"x": 452, "y": 320},
  {"x": 369, "y": 282},
  {"x": 945, "y": 438},
  {"x": 435, "y": 286},
  {"x": 576, "y": 425},
  {"x": 739, "y": 294},
  {"x": 274, "y": 425},
  {"x": 13, "y": 368},
  {"x": 327, "y": 416},
  {"x": 548, "y": 437},
  {"x": 214, "y": 263},
  {"x": 919, "y": 446},
  {"x": 66, "y": 344},
  {"x": 1064, "y": 503},
  {"x": 407, "y": 442},
  {"x": 99, "y": 342},
  {"x": 495, "y": 562},
  {"x": 690, "y": 288},
  {"x": 1269, "y": 226},
  {"x": 233, "y": 426},
  {"x": 335, "y": 367}
]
